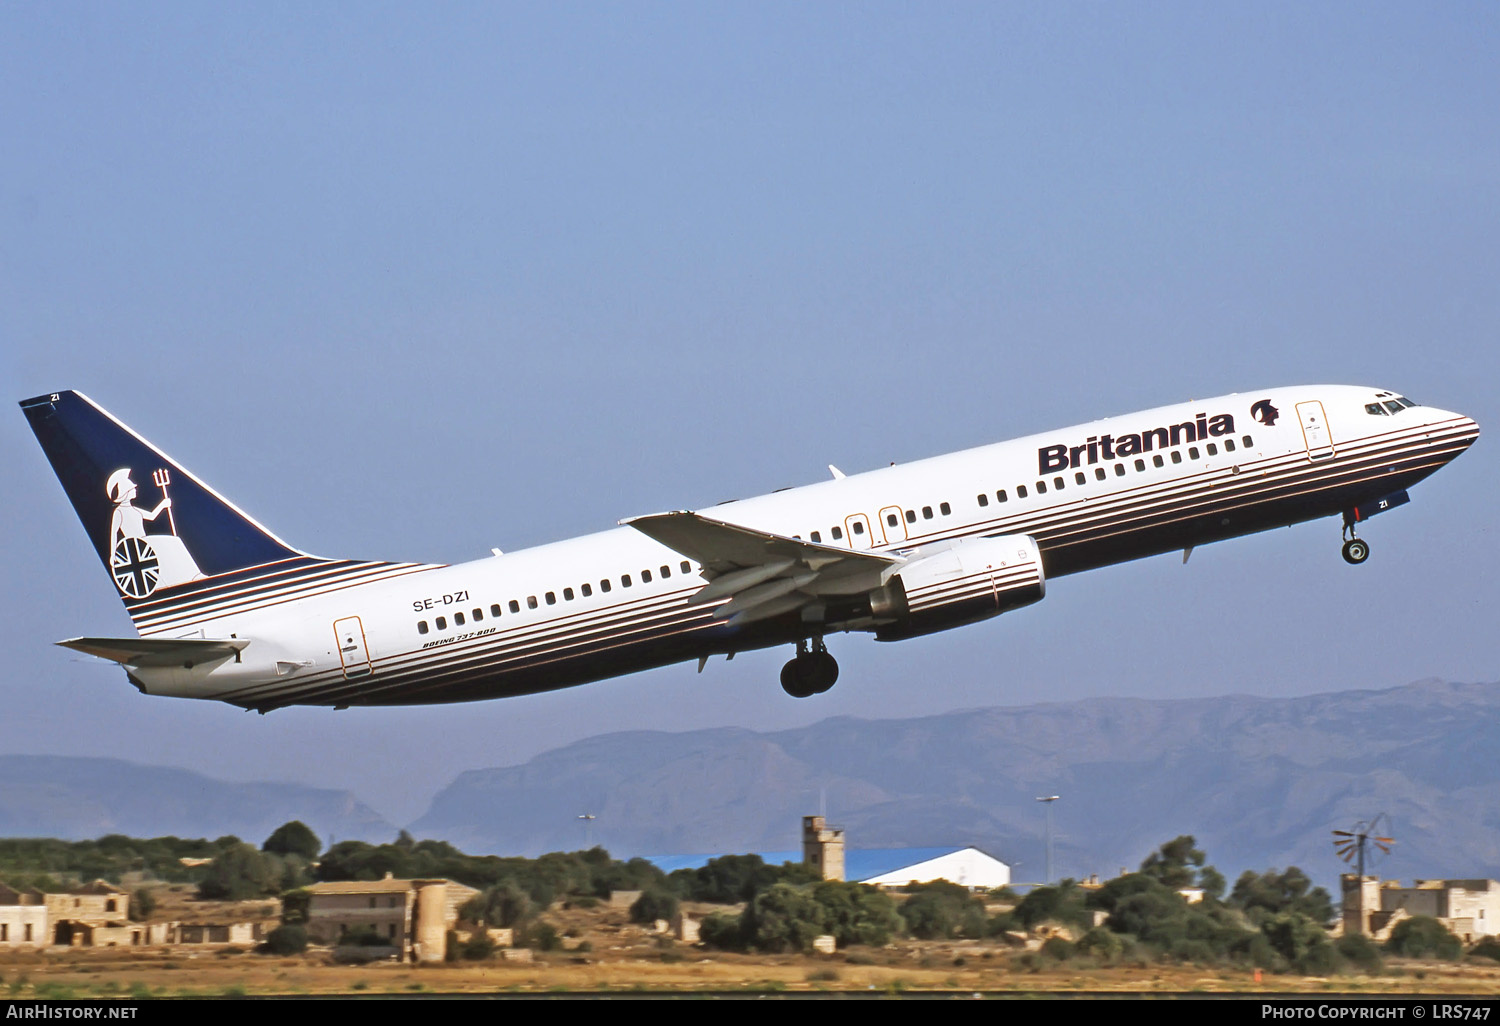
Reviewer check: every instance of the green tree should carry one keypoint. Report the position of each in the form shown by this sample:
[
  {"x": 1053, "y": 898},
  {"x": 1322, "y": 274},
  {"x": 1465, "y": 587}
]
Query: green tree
[
  {"x": 142, "y": 904},
  {"x": 1270, "y": 893},
  {"x": 1175, "y": 863},
  {"x": 940, "y": 909},
  {"x": 1302, "y": 942},
  {"x": 294, "y": 838},
  {"x": 287, "y": 939},
  {"x": 1423, "y": 937},
  {"x": 654, "y": 903},
  {"x": 1064, "y": 903},
  {"x": 238, "y": 873},
  {"x": 783, "y": 917},
  {"x": 857, "y": 913},
  {"x": 504, "y": 905}
]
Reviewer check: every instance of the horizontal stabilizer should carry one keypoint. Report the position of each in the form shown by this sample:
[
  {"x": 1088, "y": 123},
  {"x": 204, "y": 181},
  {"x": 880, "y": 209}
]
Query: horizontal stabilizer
[{"x": 158, "y": 651}]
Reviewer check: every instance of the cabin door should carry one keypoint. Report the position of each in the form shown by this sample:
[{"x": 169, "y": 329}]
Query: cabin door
[
  {"x": 1315, "y": 430},
  {"x": 857, "y": 531},
  {"x": 349, "y": 634},
  {"x": 893, "y": 525}
]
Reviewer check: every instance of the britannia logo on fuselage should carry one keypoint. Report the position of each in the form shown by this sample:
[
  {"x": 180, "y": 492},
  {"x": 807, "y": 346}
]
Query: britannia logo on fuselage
[{"x": 1265, "y": 413}]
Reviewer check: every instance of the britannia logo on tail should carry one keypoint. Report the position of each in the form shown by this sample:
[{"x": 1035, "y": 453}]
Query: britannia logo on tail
[{"x": 140, "y": 562}]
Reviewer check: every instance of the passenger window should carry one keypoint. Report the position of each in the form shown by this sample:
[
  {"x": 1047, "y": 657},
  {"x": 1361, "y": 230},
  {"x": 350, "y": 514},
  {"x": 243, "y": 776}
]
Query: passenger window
[
  {"x": 1176, "y": 456},
  {"x": 567, "y": 594},
  {"x": 1192, "y": 452},
  {"x": 687, "y": 567},
  {"x": 1020, "y": 491},
  {"x": 838, "y": 534},
  {"x": 530, "y": 601},
  {"x": 983, "y": 500},
  {"x": 1099, "y": 473},
  {"x": 551, "y": 598},
  {"x": 442, "y": 623},
  {"x": 666, "y": 572},
  {"x": 1158, "y": 461},
  {"x": 588, "y": 589},
  {"x": 1213, "y": 450},
  {"x": 1041, "y": 487},
  {"x": 515, "y": 607},
  {"x": 421, "y": 626},
  {"x": 478, "y": 615},
  {"x": 1079, "y": 478},
  {"x": 604, "y": 586},
  {"x": 1246, "y": 441},
  {"x": 945, "y": 509},
  {"x": 859, "y": 527},
  {"x": 816, "y": 536},
  {"x": 1140, "y": 465},
  {"x": 458, "y": 619},
  {"x": 911, "y": 516},
  {"x": 624, "y": 580},
  {"x": 1229, "y": 445},
  {"x": 926, "y": 512},
  {"x": 1057, "y": 483},
  {"x": 1000, "y": 496},
  {"x": 891, "y": 519},
  {"x": 646, "y": 574},
  {"x": 1119, "y": 470},
  {"x": 495, "y": 609}
]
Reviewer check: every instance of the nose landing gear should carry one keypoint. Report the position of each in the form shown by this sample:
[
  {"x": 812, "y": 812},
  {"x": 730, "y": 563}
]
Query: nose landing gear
[
  {"x": 811, "y": 672},
  {"x": 1355, "y": 550}
]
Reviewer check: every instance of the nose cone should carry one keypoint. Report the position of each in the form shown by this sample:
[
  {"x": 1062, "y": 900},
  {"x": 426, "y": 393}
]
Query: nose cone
[{"x": 1452, "y": 431}]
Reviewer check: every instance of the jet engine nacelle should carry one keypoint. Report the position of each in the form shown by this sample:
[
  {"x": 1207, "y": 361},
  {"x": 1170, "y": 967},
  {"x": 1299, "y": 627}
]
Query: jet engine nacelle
[{"x": 964, "y": 581}]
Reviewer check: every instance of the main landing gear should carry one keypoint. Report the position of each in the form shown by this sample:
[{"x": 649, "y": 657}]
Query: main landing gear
[
  {"x": 812, "y": 672},
  {"x": 1355, "y": 550}
]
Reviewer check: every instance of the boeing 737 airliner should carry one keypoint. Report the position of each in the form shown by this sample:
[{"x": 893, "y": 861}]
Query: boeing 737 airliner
[{"x": 226, "y": 610}]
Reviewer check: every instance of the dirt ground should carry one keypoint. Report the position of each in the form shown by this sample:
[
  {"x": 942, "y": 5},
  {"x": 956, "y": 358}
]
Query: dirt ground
[{"x": 605, "y": 953}]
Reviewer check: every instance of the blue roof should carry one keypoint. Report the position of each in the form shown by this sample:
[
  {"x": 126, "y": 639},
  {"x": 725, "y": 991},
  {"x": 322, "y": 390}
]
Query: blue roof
[{"x": 859, "y": 863}]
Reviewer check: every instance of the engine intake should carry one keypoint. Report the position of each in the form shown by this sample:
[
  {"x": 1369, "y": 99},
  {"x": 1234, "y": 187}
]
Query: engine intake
[{"x": 963, "y": 582}]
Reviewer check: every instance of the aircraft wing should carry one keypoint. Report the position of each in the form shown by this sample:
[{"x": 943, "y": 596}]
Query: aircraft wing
[
  {"x": 157, "y": 651},
  {"x": 763, "y": 574}
]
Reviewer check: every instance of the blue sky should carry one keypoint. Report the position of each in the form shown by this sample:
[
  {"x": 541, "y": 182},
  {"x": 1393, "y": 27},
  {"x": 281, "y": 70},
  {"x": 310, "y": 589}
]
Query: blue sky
[{"x": 410, "y": 281}]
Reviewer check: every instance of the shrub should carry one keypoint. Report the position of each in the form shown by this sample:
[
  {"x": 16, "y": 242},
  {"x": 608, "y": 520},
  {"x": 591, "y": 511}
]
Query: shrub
[
  {"x": 1423, "y": 937},
  {"x": 1489, "y": 947},
  {"x": 1359, "y": 951},
  {"x": 285, "y": 940},
  {"x": 653, "y": 904},
  {"x": 721, "y": 930}
]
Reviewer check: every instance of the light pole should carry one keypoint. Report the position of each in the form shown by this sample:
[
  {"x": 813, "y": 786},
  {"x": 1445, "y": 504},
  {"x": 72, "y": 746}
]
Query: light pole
[
  {"x": 588, "y": 830},
  {"x": 1047, "y": 801}
]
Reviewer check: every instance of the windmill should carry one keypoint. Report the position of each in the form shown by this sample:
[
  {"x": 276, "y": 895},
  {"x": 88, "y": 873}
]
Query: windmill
[{"x": 1351, "y": 845}]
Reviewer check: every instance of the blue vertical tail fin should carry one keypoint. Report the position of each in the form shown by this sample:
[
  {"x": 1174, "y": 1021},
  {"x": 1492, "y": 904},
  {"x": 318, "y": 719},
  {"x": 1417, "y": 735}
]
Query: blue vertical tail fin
[{"x": 154, "y": 525}]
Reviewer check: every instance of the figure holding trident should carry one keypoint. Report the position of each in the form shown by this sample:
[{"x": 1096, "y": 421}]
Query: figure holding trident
[
  {"x": 128, "y": 521},
  {"x": 143, "y": 563}
]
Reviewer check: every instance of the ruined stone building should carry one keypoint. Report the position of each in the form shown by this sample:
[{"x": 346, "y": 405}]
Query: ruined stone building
[{"x": 1469, "y": 909}]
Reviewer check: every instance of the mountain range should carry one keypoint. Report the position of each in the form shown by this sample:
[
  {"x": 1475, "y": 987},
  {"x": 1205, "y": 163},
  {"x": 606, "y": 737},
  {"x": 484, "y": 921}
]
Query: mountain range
[{"x": 1261, "y": 782}]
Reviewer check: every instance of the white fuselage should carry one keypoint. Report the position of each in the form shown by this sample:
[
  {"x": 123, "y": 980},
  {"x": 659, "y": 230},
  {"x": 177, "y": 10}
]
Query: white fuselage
[{"x": 617, "y": 601}]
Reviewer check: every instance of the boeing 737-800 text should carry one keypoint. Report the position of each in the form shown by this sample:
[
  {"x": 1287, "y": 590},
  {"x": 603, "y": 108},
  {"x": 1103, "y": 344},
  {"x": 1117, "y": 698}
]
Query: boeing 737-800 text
[{"x": 226, "y": 610}]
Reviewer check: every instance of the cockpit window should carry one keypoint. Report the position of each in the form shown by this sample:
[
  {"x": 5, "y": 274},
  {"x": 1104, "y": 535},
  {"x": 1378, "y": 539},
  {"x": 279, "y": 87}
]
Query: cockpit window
[
  {"x": 1393, "y": 406},
  {"x": 1375, "y": 410},
  {"x": 1406, "y": 402}
]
